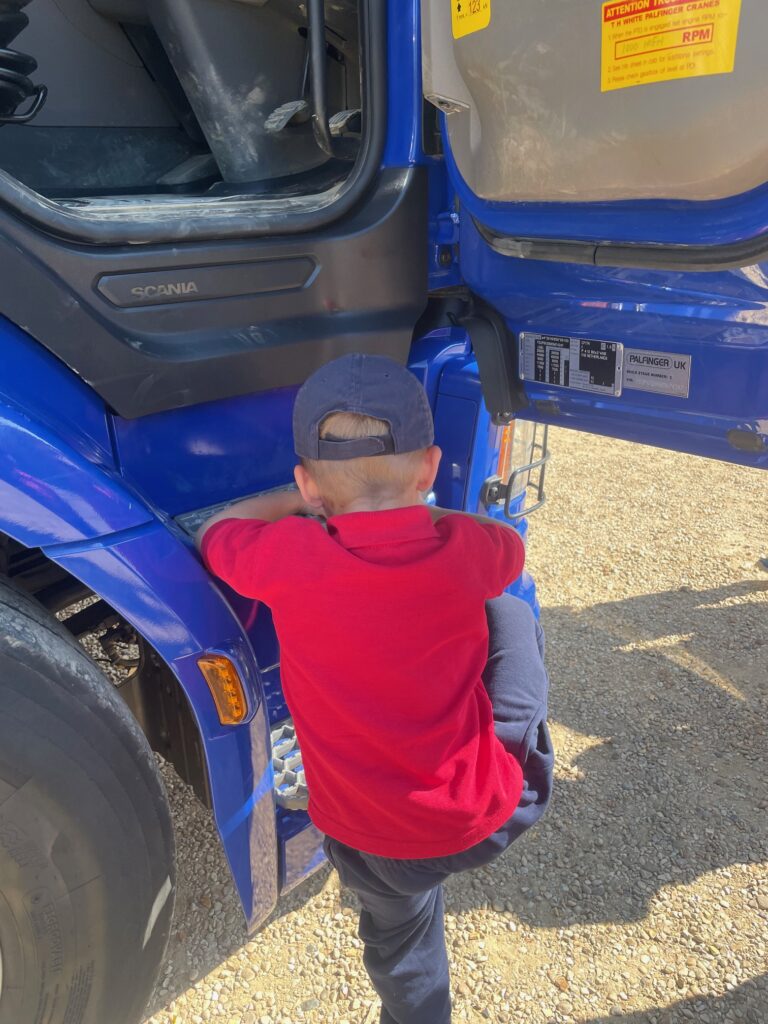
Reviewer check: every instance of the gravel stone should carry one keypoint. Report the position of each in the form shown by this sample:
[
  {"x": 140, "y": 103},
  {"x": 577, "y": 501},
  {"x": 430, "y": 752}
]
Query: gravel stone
[{"x": 641, "y": 896}]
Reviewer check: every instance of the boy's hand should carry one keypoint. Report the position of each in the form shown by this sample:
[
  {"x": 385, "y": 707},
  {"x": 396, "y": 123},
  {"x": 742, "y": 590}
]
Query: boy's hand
[{"x": 269, "y": 507}]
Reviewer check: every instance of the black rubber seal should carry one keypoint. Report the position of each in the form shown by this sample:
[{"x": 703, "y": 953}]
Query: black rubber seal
[
  {"x": 697, "y": 258},
  {"x": 141, "y": 222}
]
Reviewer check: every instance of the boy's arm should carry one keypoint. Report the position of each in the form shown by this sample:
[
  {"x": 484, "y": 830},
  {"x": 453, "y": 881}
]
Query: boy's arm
[
  {"x": 503, "y": 547},
  {"x": 267, "y": 507}
]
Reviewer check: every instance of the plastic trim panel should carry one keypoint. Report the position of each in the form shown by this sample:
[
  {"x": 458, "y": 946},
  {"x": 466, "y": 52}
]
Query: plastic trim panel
[{"x": 368, "y": 289}]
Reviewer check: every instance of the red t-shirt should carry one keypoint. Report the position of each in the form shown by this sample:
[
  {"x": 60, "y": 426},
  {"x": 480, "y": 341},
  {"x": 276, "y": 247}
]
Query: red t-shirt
[{"x": 383, "y": 635}]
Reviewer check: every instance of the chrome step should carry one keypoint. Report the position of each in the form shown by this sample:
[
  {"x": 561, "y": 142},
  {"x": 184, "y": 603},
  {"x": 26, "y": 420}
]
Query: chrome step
[{"x": 290, "y": 783}]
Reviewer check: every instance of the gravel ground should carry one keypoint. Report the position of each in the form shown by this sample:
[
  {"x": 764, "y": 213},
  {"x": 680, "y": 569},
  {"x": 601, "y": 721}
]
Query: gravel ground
[{"x": 642, "y": 898}]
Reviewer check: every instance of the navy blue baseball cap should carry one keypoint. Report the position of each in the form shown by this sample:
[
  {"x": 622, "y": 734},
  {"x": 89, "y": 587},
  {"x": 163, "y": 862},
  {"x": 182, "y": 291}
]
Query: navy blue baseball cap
[{"x": 370, "y": 386}]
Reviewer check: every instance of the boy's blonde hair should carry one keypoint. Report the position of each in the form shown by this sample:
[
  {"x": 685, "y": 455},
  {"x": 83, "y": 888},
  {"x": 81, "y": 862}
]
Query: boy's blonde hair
[{"x": 377, "y": 477}]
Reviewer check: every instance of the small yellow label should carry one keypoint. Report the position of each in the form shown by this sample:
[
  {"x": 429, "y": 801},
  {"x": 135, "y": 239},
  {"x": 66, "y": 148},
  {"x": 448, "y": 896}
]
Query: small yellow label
[
  {"x": 659, "y": 40},
  {"x": 469, "y": 16}
]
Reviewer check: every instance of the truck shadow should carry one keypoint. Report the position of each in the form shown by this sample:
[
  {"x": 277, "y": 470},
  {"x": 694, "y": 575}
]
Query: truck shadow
[
  {"x": 208, "y": 926},
  {"x": 746, "y": 1004}
]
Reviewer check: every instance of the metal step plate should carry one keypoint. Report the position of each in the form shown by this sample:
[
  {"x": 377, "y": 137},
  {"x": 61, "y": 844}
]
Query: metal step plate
[{"x": 290, "y": 783}]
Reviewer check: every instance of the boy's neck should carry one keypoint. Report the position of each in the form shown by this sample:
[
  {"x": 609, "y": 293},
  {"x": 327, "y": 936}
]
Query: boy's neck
[{"x": 367, "y": 504}]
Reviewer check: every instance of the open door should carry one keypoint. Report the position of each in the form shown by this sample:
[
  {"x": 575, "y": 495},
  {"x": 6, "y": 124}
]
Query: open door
[{"x": 610, "y": 162}]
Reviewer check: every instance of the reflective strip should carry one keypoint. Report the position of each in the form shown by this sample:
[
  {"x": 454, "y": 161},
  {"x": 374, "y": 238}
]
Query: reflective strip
[{"x": 160, "y": 900}]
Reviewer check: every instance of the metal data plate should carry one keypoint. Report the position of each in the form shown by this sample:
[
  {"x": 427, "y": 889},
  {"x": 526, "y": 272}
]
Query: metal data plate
[
  {"x": 191, "y": 522},
  {"x": 580, "y": 363}
]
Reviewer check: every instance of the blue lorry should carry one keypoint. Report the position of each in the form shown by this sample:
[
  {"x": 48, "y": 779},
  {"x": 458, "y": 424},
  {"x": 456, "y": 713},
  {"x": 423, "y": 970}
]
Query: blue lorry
[{"x": 554, "y": 213}]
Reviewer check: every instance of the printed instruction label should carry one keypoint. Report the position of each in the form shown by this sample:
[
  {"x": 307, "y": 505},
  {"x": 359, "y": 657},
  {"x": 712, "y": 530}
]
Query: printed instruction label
[
  {"x": 469, "y": 16},
  {"x": 666, "y": 373},
  {"x": 658, "y": 40},
  {"x": 572, "y": 362}
]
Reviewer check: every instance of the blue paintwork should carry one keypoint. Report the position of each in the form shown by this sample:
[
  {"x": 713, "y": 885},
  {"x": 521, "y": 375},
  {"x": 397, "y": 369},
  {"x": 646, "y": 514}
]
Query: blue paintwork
[
  {"x": 51, "y": 494},
  {"x": 403, "y": 145},
  {"x": 196, "y": 457},
  {"x": 302, "y": 853},
  {"x": 721, "y": 319},
  {"x": 718, "y": 318},
  {"x": 36, "y": 382},
  {"x": 57, "y": 477},
  {"x": 444, "y": 363},
  {"x": 87, "y": 520},
  {"x": 298, "y": 847},
  {"x": 431, "y": 354},
  {"x": 443, "y": 229}
]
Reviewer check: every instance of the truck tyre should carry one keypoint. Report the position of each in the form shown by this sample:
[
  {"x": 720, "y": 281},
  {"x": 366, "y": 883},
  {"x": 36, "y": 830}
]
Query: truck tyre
[{"x": 86, "y": 844}]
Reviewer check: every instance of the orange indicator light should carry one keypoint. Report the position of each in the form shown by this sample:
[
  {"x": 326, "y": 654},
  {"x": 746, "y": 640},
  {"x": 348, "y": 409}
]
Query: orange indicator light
[
  {"x": 226, "y": 688},
  {"x": 504, "y": 467}
]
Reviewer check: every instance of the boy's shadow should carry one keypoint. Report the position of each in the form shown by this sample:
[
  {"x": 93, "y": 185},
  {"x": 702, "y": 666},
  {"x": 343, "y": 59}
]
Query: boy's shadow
[{"x": 669, "y": 784}]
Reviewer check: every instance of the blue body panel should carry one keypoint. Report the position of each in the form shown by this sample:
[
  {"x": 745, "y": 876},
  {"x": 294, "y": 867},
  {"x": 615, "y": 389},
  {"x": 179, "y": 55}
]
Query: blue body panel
[
  {"x": 48, "y": 493},
  {"x": 404, "y": 101},
  {"x": 470, "y": 442},
  {"x": 196, "y": 457},
  {"x": 34, "y": 381},
  {"x": 720, "y": 319},
  {"x": 57, "y": 479}
]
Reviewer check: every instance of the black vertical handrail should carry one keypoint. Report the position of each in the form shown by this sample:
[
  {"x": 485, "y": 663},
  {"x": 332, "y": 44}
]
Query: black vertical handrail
[{"x": 317, "y": 74}]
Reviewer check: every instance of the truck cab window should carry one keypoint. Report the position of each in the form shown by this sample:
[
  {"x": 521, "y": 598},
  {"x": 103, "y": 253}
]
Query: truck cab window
[{"x": 209, "y": 99}]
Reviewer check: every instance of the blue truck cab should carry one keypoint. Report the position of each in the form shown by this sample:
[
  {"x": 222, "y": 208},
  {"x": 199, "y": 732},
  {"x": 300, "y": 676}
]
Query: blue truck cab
[{"x": 546, "y": 216}]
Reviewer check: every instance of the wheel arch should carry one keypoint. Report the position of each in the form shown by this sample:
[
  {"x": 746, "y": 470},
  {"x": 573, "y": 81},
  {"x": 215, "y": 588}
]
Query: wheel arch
[{"x": 83, "y": 518}]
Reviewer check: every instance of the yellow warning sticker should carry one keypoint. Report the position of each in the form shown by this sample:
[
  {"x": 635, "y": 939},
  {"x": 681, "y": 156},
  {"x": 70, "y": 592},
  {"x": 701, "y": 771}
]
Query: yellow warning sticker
[
  {"x": 658, "y": 40},
  {"x": 469, "y": 16}
]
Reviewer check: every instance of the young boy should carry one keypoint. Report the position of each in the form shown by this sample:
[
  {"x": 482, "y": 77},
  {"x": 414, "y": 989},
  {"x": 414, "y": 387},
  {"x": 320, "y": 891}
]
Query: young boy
[{"x": 418, "y": 693}]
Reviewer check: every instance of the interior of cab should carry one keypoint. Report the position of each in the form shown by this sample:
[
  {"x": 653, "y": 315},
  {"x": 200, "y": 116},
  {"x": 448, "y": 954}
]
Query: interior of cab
[{"x": 191, "y": 98}]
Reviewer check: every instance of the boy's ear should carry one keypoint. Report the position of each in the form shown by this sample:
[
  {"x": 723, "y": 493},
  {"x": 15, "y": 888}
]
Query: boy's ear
[
  {"x": 307, "y": 487},
  {"x": 432, "y": 456}
]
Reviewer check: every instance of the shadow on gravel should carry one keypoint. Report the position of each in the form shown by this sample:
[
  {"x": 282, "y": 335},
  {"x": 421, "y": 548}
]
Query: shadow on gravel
[
  {"x": 746, "y": 1004},
  {"x": 668, "y": 695},
  {"x": 208, "y": 925}
]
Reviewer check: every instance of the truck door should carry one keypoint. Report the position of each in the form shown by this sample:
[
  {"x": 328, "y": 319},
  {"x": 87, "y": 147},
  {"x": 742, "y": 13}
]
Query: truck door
[{"x": 609, "y": 162}]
